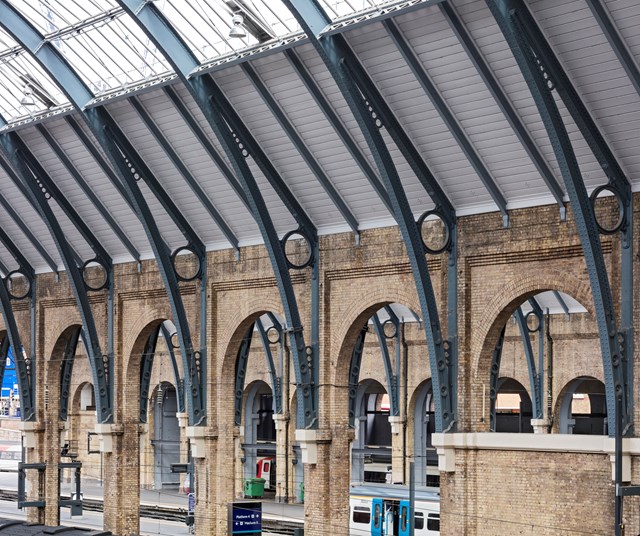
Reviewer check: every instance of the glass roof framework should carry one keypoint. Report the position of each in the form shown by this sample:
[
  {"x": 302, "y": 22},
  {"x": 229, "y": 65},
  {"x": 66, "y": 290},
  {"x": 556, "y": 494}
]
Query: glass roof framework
[{"x": 110, "y": 52}]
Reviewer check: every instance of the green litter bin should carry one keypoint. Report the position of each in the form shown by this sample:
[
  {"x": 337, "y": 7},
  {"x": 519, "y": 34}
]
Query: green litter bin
[
  {"x": 301, "y": 491},
  {"x": 254, "y": 488}
]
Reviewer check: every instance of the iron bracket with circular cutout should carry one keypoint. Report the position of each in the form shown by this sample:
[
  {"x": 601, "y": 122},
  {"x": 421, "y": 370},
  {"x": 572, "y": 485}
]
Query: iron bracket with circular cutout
[
  {"x": 447, "y": 232},
  {"x": 308, "y": 259},
  {"x": 104, "y": 283},
  {"x": 189, "y": 248},
  {"x": 7, "y": 282},
  {"x": 621, "y": 208}
]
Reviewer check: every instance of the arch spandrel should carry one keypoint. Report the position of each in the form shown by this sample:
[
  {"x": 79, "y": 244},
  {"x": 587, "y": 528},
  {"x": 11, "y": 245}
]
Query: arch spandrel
[{"x": 492, "y": 316}]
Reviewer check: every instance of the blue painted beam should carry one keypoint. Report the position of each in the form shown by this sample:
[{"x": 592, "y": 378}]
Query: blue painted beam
[
  {"x": 494, "y": 376},
  {"x": 25, "y": 368},
  {"x": 238, "y": 143},
  {"x": 34, "y": 171},
  {"x": 11, "y": 146},
  {"x": 362, "y": 97},
  {"x": 301, "y": 146},
  {"x": 392, "y": 379},
  {"x": 354, "y": 373},
  {"x": 146, "y": 368},
  {"x": 616, "y": 41},
  {"x": 240, "y": 372},
  {"x": 338, "y": 126},
  {"x": 515, "y": 23},
  {"x": 504, "y": 103},
  {"x": 66, "y": 371},
  {"x": 563, "y": 304},
  {"x": 27, "y": 232},
  {"x": 447, "y": 116},
  {"x": 184, "y": 171},
  {"x": 73, "y": 171},
  {"x": 16, "y": 253},
  {"x": 174, "y": 365},
  {"x": 276, "y": 381},
  {"x": 191, "y": 122},
  {"x": 534, "y": 378}
]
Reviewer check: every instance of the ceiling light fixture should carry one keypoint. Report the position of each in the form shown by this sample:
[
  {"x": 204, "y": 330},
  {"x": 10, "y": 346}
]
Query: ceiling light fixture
[
  {"x": 27, "y": 97},
  {"x": 238, "y": 28}
]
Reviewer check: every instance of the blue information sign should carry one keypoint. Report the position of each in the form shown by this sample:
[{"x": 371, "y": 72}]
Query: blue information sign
[
  {"x": 245, "y": 518},
  {"x": 192, "y": 502}
]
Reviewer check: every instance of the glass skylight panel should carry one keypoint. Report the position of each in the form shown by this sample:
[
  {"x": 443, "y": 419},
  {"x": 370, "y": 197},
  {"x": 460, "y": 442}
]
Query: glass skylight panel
[
  {"x": 112, "y": 54},
  {"x": 205, "y": 25},
  {"x": 24, "y": 86},
  {"x": 51, "y": 16}
]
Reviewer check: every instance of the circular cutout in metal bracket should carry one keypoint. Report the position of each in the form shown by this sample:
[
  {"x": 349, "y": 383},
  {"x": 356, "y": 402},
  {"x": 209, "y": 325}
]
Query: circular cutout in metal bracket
[
  {"x": 174, "y": 340},
  {"x": 95, "y": 274},
  {"x": 608, "y": 230},
  {"x": 273, "y": 335},
  {"x": 389, "y": 329},
  {"x": 446, "y": 239},
  {"x": 532, "y": 321},
  {"x": 198, "y": 266},
  {"x": 9, "y": 284},
  {"x": 307, "y": 258}
]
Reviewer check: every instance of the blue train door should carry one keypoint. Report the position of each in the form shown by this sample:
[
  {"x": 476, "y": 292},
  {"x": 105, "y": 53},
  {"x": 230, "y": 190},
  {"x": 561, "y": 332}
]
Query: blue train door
[
  {"x": 377, "y": 517},
  {"x": 404, "y": 523}
]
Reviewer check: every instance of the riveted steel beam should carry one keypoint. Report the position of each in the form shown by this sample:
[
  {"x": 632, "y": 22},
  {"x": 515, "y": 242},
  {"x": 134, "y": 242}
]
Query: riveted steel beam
[
  {"x": 36, "y": 192},
  {"x": 534, "y": 377},
  {"x": 188, "y": 118},
  {"x": 27, "y": 232},
  {"x": 239, "y": 144},
  {"x": 562, "y": 303},
  {"x": 23, "y": 264},
  {"x": 392, "y": 379},
  {"x": 31, "y": 170},
  {"x": 276, "y": 381},
  {"x": 447, "y": 116},
  {"x": 184, "y": 171},
  {"x": 4, "y": 352},
  {"x": 240, "y": 373},
  {"x": 494, "y": 376},
  {"x": 131, "y": 168},
  {"x": 504, "y": 103},
  {"x": 354, "y": 373},
  {"x": 146, "y": 367},
  {"x": 301, "y": 146},
  {"x": 73, "y": 171},
  {"x": 372, "y": 114},
  {"x": 174, "y": 365},
  {"x": 616, "y": 41},
  {"x": 543, "y": 73},
  {"x": 66, "y": 371},
  {"x": 338, "y": 126}
]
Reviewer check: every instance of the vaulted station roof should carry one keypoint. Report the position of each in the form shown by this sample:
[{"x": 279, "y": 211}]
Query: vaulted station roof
[{"x": 444, "y": 69}]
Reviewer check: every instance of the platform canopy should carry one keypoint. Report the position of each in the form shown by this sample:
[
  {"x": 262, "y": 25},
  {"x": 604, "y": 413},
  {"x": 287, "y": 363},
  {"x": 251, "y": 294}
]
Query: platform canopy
[{"x": 443, "y": 68}]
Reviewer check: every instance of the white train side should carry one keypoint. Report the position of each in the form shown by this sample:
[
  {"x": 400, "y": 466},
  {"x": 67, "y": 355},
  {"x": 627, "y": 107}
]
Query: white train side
[{"x": 383, "y": 510}]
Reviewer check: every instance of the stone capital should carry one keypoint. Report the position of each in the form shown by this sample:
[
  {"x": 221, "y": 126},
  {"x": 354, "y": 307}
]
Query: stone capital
[
  {"x": 106, "y": 432},
  {"x": 540, "y": 426},
  {"x": 183, "y": 419},
  {"x": 396, "y": 422},
  {"x": 29, "y": 430},
  {"x": 309, "y": 440},
  {"x": 197, "y": 437}
]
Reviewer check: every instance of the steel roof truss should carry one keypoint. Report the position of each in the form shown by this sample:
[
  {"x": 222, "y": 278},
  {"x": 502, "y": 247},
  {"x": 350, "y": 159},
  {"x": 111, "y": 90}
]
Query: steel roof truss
[
  {"x": 174, "y": 365},
  {"x": 392, "y": 379},
  {"x": 534, "y": 376},
  {"x": 276, "y": 380},
  {"x": 354, "y": 373},
  {"x": 184, "y": 171},
  {"x": 338, "y": 126},
  {"x": 615, "y": 40},
  {"x": 494, "y": 377},
  {"x": 240, "y": 373},
  {"x": 30, "y": 236},
  {"x": 206, "y": 143},
  {"x": 11, "y": 146},
  {"x": 362, "y": 97},
  {"x": 33, "y": 171},
  {"x": 447, "y": 116},
  {"x": 24, "y": 365},
  {"x": 513, "y": 19},
  {"x": 238, "y": 143},
  {"x": 504, "y": 103},
  {"x": 66, "y": 371},
  {"x": 73, "y": 171},
  {"x": 301, "y": 146}
]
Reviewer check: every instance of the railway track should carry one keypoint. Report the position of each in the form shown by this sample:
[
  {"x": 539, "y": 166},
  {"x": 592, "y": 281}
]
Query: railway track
[{"x": 167, "y": 513}]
